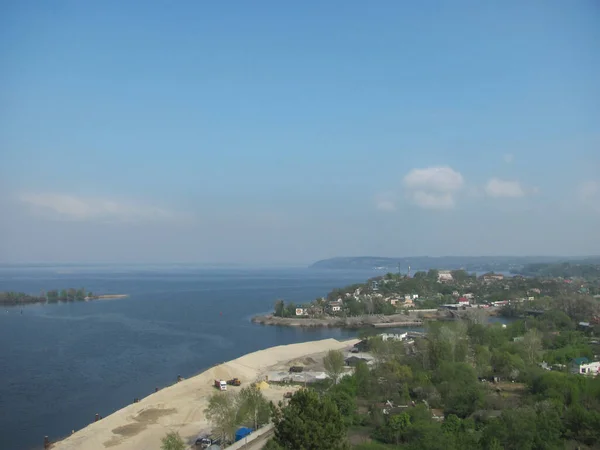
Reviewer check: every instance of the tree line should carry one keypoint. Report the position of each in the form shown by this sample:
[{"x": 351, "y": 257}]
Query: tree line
[{"x": 53, "y": 296}]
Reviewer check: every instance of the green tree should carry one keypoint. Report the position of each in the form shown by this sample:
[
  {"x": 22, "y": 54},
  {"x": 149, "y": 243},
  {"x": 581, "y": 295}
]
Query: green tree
[
  {"x": 532, "y": 345},
  {"x": 172, "y": 441},
  {"x": 254, "y": 407},
  {"x": 334, "y": 364},
  {"x": 71, "y": 294},
  {"x": 362, "y": 375},
  {"x": 290, "y": 310},
  {"x": 80, "y": 294},
  {"x": 63, "y": 295},
  {"x": 279, "y": 308},
  {"x": 224, "y": 414},
  {"x": 396, "y": 427},
  {"x": 345, "y": 402},
  {"x": 309, "y": 422}
]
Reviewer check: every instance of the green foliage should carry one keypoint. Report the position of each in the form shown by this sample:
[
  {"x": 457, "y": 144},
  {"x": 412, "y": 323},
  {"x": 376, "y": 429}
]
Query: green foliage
[
  {"x": 272, "y": 445},
  {"x": 279, "y": 308},
  {"x": 253, "y": 407},
  {"x": 224, "y": 415},
  {"x": 525, "y": 428},
  {"x": 345, "y": 400},
  {"x": 172, "y": 441},
  {"x": 309, "y": 422},
  {"x": 334, "y": 364}
]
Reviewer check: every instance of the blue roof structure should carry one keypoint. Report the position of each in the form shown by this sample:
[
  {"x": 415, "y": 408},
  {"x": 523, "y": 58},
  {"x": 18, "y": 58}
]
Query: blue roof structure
[{"x": 580, "y": 361}]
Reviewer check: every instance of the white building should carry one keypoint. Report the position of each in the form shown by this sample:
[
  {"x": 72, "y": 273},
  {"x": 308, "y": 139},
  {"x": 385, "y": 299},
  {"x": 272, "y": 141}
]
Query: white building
[
  {"x": 592, "y": 369},
  {"x": 393, "y": 337},
  {"x": 445, "y": 276}
]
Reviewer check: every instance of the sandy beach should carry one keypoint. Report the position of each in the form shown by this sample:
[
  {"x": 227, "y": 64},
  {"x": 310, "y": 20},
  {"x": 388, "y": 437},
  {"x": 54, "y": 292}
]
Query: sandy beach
[{"x": 180, "y": 407}]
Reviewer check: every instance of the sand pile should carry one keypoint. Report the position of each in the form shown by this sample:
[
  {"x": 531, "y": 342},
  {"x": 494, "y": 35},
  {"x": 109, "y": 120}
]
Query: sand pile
[{"x": 181, "y": 407}]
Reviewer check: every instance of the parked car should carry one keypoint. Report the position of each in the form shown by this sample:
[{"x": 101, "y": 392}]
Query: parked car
[{"x": 203, "y": 441}]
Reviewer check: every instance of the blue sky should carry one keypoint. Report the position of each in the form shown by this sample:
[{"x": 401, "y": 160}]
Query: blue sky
[{"x": 267, "y": 131}]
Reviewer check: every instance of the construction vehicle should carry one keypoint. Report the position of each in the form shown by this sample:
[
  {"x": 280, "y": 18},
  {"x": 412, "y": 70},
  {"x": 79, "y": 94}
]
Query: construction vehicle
[
  {"x": 234, "y": 382},
  {"x": 221, "y": 385}
]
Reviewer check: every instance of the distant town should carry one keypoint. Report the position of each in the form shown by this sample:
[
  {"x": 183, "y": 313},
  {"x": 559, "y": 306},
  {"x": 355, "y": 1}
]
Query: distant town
[{"x": 395, "y": 293}]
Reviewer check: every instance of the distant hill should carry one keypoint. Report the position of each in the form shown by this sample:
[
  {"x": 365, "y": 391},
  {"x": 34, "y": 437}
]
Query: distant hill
[{"x": 469, "y": 263}]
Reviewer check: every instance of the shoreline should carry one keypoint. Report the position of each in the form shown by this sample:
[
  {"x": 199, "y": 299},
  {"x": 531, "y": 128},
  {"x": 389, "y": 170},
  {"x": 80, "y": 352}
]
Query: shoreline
[
  {"x": 106, "y": 297},
  {"x": 180, "y": 406},
  {"x": 376, "y": 321}
]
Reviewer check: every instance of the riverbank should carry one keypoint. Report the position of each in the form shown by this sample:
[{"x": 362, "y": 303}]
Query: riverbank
[
  {"x": 180, "y": 407},
  {"x": 380, "y": 321}
]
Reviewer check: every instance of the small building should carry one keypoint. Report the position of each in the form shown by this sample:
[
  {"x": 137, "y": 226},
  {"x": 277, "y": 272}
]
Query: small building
[
  {"x": 393, "y": 336},
  {"x": 353, "y": 361},
  {"x": 301, "y": 312},
  {"x": 362, "y": 346},
  {"x": 335, "y": 307},
  {"x": 445, "y": 276},
  {"x": 314, "y": 310},
  {"x": 437, "y": 414},
  {"x": 583, "y": 366},
  {"x": 463, "y": 301},
  {"x": 491, "y": 277}
]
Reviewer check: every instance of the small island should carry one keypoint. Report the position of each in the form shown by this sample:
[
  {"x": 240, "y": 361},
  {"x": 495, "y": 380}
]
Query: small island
[
  {"x": 401, "y": 300},
  {"x": 53, "y": 296}
]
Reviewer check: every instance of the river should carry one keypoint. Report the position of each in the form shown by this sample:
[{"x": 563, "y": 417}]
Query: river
[{"x": 61, "y": 364}]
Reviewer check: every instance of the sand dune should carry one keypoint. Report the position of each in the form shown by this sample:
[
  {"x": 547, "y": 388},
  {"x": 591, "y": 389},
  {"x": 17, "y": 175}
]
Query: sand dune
[{"x": 181, "y": 407}]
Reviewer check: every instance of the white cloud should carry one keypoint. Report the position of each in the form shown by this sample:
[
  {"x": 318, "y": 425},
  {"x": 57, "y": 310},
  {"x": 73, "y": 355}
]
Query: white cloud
[
  {"x": 433, "y": 187},
  {"x": 502, "y": 188},
  {"x": 74, "y": 208},
  {"x": 508, "y": 158}
]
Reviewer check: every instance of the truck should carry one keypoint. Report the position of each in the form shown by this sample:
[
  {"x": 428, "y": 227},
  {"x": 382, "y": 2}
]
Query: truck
[
  {"x": 221, "y": 385},
  {"x": 234, "y": 382}
]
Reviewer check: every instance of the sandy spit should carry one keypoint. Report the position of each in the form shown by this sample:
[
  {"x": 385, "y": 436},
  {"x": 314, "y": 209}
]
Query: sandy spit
[{"x": 180, "y": 407}]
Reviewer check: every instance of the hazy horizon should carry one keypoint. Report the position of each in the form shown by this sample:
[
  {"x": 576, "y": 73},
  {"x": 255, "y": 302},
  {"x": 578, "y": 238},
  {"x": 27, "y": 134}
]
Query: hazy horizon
[{"x": 272, "y": 132}]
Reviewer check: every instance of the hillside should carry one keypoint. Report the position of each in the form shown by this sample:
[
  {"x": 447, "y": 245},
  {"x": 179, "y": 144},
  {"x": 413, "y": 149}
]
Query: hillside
[{"x": 469, "y": 263}]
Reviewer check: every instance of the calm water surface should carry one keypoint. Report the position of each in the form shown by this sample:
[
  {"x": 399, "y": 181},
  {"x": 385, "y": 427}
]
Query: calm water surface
[{"x": 61, "y": 364}]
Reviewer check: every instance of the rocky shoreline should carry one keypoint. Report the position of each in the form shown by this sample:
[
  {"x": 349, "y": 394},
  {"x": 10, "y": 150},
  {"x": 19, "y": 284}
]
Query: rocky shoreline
[{"x": 379, "y": 321}]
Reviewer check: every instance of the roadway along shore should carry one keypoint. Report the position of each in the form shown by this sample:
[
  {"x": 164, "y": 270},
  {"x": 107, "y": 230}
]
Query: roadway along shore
[{"x": 180, "y": 407}]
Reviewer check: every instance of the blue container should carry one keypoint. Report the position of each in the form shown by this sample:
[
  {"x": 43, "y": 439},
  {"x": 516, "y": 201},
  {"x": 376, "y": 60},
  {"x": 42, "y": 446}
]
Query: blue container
[{"x": 242, "y": 432}]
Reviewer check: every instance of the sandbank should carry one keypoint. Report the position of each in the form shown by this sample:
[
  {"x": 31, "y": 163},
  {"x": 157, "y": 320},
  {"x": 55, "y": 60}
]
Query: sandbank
[{"x": 180, "y": 407}]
